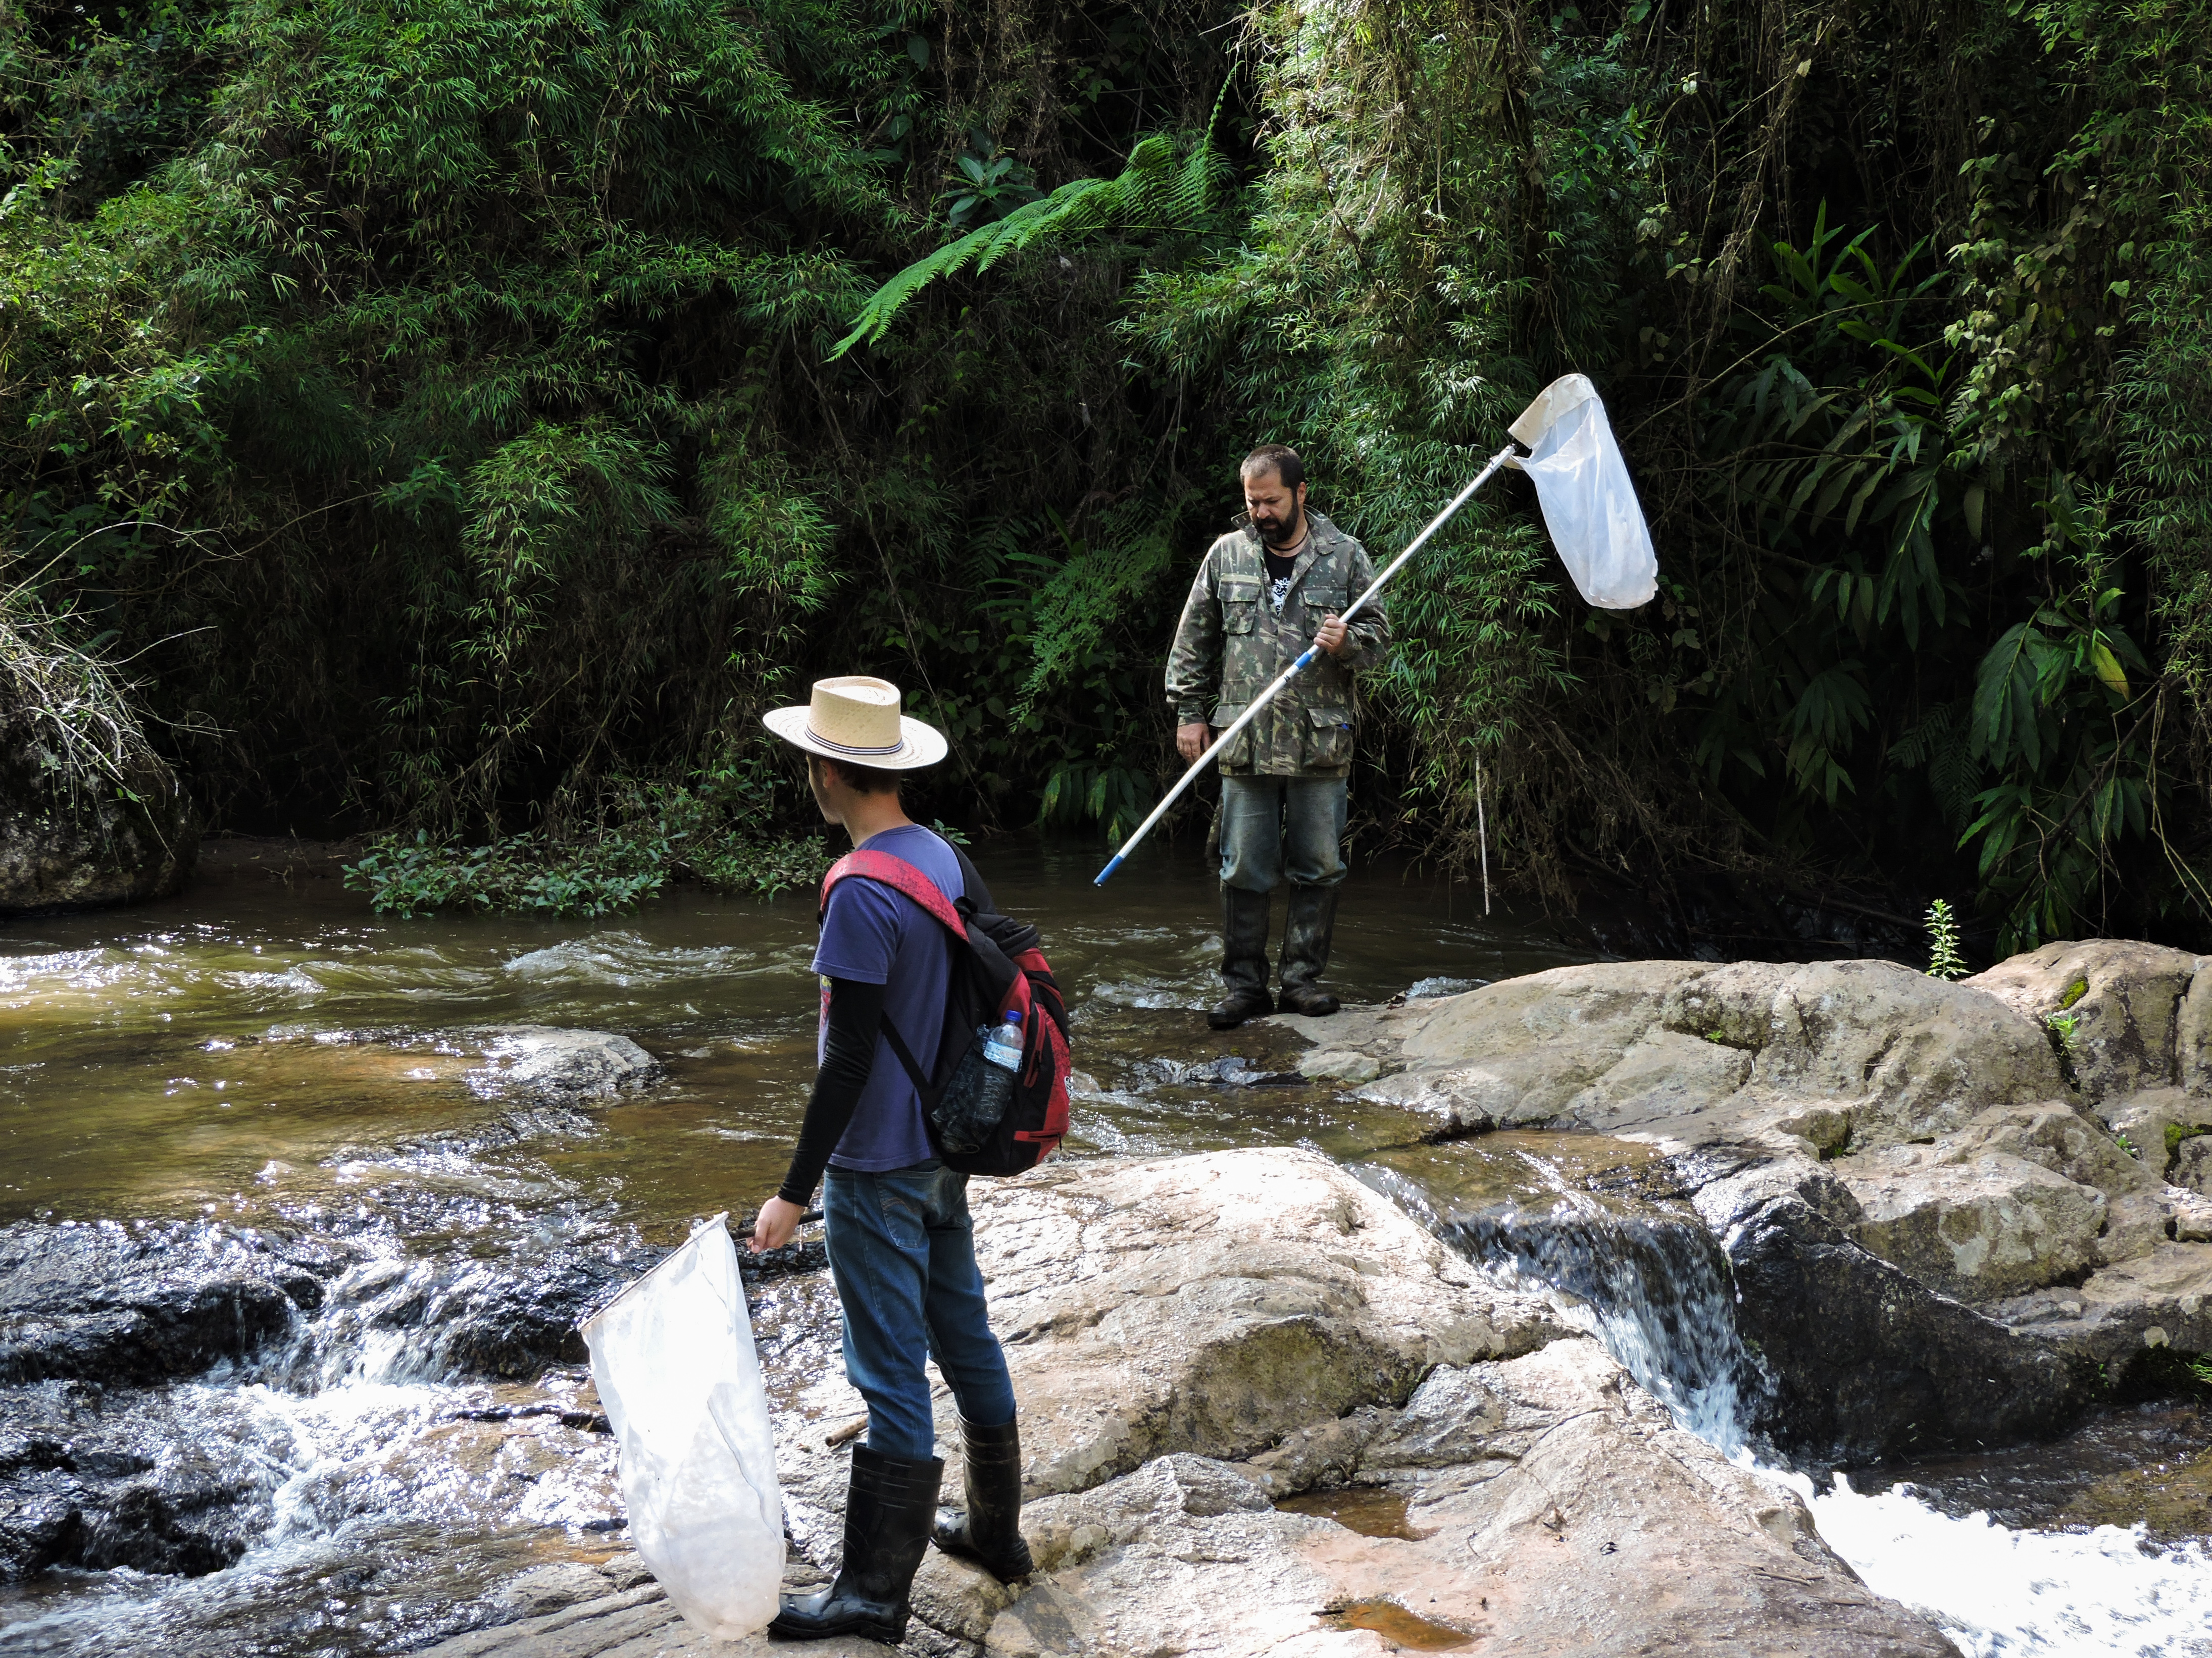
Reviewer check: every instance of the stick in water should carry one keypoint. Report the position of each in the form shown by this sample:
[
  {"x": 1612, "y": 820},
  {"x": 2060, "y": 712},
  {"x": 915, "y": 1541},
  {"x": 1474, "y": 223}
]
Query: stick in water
[
  {"x": 1305, "y": 660},
  {"x": 1482, "y": 835}
]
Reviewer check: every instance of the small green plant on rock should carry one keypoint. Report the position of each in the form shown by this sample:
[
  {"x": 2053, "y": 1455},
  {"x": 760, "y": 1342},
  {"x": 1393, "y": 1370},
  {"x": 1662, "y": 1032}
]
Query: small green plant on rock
[{"x": 1944, "y": 961}]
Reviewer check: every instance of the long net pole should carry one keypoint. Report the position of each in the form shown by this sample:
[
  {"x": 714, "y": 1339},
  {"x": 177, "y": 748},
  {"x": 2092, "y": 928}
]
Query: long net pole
[{"x": 1306, "y": 660}]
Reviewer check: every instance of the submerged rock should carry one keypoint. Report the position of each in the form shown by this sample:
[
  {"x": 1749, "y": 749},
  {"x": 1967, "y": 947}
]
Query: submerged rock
[
  {"x": 117, "y": 1303},
  {"x": 568, "y": 1064}
]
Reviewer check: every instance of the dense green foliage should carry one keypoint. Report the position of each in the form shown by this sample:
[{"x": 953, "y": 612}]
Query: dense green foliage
[{"x": 443, "y": 401}]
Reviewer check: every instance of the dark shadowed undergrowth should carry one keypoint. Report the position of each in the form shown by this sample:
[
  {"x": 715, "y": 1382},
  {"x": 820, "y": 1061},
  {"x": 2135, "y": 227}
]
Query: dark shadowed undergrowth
[{"x": 442, "y": 404}]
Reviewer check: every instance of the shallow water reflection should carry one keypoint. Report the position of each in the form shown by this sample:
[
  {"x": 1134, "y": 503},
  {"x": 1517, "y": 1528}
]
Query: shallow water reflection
[{"x": 197, "y": 1033}]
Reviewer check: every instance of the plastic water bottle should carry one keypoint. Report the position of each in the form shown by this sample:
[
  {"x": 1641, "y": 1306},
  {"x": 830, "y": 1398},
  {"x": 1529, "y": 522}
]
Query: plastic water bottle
[{"x": 1002, "y": 1052}]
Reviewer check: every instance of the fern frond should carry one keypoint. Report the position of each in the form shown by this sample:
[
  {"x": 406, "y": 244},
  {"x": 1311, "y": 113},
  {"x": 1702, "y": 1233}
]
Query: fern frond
[{"x": 1152, "y": 193}]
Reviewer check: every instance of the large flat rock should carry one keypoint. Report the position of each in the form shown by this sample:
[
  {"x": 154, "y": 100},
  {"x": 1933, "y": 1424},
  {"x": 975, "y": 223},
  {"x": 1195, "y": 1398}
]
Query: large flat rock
[
  {"x": 1551, "y": 1507},
  {"x": 1212, "y": 1303},
  {"x": 1980, "y": 1157},
  {"x": 1195, "y": 1338},
  {"x": 1209, "y": 1305},
  {"x": 1548, "y": 1507},
  {"x": 1859, "y": 1053},
  {"x": 637, "y": 1623}
]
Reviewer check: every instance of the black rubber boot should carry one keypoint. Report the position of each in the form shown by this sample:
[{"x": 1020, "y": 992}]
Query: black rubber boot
[
  {"x": 888, "y": 1511},
  {"x": 988, "y": 1531},
  {"x": 1243, "y": 959},
  {"x": 1305, "y": 951}
]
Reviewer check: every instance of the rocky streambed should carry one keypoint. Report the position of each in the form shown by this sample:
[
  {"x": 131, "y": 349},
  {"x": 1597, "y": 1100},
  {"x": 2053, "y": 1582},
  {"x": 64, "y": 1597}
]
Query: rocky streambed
[
  {"x": 1538, "y": 1317},
  {"x": 1955, "y": 1215}
]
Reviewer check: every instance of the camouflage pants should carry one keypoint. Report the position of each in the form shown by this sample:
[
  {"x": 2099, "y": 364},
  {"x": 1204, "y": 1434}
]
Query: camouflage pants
[{"x": 1265, "y": 818}]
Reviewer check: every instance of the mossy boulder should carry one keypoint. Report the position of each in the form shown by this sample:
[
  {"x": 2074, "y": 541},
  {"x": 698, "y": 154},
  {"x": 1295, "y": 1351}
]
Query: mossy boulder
[{"x": 84, "y": 843}]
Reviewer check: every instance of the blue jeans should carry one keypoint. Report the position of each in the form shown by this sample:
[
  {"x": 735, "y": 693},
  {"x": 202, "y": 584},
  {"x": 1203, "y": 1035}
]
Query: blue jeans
[
  {"x": 902, "y": 1252},
  {"x": 1263, "y": 817}
]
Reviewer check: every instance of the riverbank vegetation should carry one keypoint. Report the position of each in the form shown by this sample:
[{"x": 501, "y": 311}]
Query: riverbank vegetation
[{"x": 444, "y": 402}]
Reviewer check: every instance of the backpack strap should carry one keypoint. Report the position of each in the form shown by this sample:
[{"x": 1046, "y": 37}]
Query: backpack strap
[
  {"x": 902, "y": 877},
  {"x": 895, "y": 872}
]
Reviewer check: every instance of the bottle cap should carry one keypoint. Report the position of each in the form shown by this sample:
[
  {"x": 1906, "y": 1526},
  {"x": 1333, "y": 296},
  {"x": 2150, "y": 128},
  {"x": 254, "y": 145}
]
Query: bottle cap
[{"x": 1013, "y": 1015}]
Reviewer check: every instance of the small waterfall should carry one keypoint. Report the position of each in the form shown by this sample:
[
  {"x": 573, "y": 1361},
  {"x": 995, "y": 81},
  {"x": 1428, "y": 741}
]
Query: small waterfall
[
  {"x": 1652, "y": 1286},
  {"x": 1654, "y": 1289}
]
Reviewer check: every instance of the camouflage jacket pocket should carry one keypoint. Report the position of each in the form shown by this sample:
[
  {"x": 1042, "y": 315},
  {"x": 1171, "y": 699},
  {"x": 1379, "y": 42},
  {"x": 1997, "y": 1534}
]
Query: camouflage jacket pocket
[
  {"x": 1322, "y": 603},
  {"x": 1238, "y": 755},
  {"x": 1328, "y": 739},
  {"x": 1240, "y": 607}
]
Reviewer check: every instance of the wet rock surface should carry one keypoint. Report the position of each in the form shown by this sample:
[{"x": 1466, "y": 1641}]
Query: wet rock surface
[
  {"x": 1197, "y": 1339},
  {"x": 101, "y": 1465},
  {"x": 116, "y": 1303},
  {"x": 1867, "y": 1362},
  {"x": 1955, "y": 1210},
  {"x": 2145, "y": 1464},
  {"x": 104, "y": 847},
  {"x": 97, "y": 1478}
]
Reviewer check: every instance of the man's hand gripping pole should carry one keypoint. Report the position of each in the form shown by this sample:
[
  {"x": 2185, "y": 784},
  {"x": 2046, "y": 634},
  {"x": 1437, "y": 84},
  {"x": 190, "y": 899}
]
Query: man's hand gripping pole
[{"x": 1305, "y": 660}]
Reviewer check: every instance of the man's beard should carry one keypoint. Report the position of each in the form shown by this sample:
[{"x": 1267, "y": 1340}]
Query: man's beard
[{"x": 1278, "y": 535}]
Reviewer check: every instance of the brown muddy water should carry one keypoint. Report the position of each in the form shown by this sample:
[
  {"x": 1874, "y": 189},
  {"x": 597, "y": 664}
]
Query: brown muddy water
[{"x": 265, "y": 1053}]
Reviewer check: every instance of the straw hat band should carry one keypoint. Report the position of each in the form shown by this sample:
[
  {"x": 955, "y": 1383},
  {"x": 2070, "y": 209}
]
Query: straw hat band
[{"x": 853, "y": 748}]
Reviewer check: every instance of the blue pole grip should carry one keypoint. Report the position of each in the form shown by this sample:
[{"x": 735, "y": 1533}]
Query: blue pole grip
[
  {"x": 1307, "y": 661},
  {"x": 1107, "y": 874}
]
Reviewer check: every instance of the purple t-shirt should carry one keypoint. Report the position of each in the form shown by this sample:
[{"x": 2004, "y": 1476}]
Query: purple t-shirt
[{"x": 879, "y": 937}]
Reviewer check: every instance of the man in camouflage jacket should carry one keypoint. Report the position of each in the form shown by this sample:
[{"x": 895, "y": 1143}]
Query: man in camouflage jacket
[{"x": 1264, "y": 592}]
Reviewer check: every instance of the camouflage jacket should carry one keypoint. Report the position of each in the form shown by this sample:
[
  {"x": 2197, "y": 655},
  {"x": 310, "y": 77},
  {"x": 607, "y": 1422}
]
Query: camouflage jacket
[{"x": 1232, "y": 643}]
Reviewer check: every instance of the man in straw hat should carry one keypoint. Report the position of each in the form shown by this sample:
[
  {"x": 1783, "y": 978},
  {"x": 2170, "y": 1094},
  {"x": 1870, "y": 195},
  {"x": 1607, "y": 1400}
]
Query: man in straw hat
[
  {"x": 901, "y": 1246},
  {"x": 1264, "y": 592}
]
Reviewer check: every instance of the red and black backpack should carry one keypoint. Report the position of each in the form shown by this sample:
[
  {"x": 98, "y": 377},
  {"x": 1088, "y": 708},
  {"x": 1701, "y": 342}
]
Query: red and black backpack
[{"x": 998, "y": 967}]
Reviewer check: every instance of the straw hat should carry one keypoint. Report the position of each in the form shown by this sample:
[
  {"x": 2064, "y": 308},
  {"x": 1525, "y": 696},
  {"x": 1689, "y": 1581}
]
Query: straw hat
[{"x": 857, "y": 718}]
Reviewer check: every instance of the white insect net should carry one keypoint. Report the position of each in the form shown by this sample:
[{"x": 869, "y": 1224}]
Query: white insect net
[
  {"x": 1589, "y": 505},
  {"x": 674, "y": 1360}
]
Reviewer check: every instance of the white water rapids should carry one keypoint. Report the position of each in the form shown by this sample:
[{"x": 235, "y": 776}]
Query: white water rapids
[{"x": 1995, "y": 1591}]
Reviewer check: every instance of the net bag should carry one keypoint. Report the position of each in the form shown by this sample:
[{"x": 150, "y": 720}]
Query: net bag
[
  {"x": 676, "y": 1373},
  {"x": 1589, "y": 505}
]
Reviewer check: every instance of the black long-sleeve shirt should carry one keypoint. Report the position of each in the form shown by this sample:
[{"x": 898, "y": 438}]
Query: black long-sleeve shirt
[{"x": 849, "y": 1053}]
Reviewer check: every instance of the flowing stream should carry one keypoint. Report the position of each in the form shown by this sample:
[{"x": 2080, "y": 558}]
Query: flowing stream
[
  {"x": 2005, "y": 1552},
  {"x": 265, "y": 1059}
]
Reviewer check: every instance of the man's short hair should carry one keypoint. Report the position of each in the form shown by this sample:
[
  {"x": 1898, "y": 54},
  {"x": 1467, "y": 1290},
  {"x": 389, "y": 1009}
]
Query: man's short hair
[
  {"x": 862, "y": 779},
  {"x": 1277, "y": 458}
]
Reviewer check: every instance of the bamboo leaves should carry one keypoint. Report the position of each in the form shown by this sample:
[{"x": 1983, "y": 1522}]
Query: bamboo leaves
[
  {"x": 2055, "y": 716},
  {"x": 2009, "y": 701},
  {"x": 1832, "y": 709}
]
